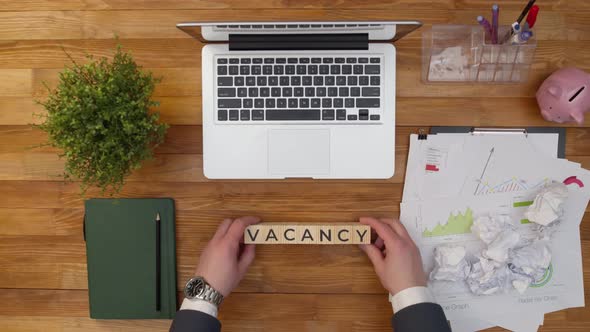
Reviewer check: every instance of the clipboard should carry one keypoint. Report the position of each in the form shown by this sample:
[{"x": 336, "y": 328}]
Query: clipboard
[{"x": 502, "y": 131}]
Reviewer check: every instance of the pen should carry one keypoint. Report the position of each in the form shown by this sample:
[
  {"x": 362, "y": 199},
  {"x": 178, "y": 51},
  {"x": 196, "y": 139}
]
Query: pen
[
  {"x": 495, "y": 14},
  {"x": 532, "y": 16},
  {"x": 516, "y": 27},
  {"x": 486, "y": 26},
  {"x": 519, "y": 20},
  {"x": 158, "y": 263}
]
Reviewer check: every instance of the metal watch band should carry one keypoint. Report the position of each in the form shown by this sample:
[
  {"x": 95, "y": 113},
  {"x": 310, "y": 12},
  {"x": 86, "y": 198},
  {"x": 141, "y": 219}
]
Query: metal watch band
[{"x": 211, "y": 295}]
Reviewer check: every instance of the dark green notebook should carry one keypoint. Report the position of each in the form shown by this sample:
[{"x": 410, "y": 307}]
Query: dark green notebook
[{"x": 121, "y": 255}]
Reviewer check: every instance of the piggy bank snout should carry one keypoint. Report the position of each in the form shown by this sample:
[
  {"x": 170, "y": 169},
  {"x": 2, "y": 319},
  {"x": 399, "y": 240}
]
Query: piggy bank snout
[{"x": 549, "y": 116}]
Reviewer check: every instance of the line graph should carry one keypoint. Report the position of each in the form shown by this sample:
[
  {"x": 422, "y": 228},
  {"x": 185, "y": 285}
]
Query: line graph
[{"x": 509, "y": 185}]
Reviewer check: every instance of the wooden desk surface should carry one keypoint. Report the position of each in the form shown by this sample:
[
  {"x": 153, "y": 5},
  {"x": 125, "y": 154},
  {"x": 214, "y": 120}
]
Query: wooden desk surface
[{"x": 42, "y": 253}]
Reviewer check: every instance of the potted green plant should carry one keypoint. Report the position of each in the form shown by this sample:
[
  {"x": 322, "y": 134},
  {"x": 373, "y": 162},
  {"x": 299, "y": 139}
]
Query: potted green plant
[{"x": 100, "y": 115}]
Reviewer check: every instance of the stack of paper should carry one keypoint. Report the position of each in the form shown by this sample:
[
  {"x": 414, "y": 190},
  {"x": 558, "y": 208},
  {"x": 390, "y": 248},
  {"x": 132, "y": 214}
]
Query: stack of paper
[{"x": 452, "y": 179}]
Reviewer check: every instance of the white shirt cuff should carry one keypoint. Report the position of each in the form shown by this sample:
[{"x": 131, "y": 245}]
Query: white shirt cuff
[
  {"x": 410, "y": 296},
  {"x": 199, "y": 305}
]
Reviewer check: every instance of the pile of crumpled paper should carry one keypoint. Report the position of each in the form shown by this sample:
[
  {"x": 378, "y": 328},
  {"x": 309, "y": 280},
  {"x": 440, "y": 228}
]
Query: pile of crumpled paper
[{"x": 509, "y": 259}]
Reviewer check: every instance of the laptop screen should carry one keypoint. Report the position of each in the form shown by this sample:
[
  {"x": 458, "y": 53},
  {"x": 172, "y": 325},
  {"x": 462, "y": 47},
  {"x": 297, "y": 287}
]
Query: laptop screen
[{"x": 376, "y": 31}]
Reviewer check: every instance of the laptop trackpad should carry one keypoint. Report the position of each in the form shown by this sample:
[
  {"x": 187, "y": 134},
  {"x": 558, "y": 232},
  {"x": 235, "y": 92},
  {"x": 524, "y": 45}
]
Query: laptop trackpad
[{"x": 299, "y": 152}]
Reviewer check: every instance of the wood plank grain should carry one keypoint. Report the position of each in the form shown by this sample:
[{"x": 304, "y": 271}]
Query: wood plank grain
[
  {"x": 51, "y": 53},
  {"x": 27, "y": 139},
  {"x": 569, "y": 5},
  {"x": 178, "y": 159},
  {"x": 410, "y": 111},
  {"x": 241, "y": 309},
  {"x": 167, "y": 53},
  {"x": 179, "y": 168},
  {"x": 162, "y": 23},
  {"x": 182, "y": 168},
  {"x": 149, "y": 24},
  {"x": 578, "y": 142},
  {"x": 19, "y": 110},
  {"x": 68, "y": 221},
  {"x": 71, "y": 324},
  {"x": 15, "y": 82},
  {"x": 176, "y": 110},
  {"x": 177, "y": 82},
  {"x": 449, "y": 111},
  {"x": 230, "y": 195},
  {"x": 41, "y": 221},
  {"x": 180, "y": 79},
  {"x": 22, "y": 162},
  {"x": 38, "y": 261},
  {"x": 219, "y": 4},
  {"x": 73, "y": 303}
]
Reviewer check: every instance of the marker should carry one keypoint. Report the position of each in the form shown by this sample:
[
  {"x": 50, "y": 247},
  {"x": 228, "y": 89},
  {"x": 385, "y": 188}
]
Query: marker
[
  {"x": 532, "y": 16},
  {"x": 495, "y": 16},
  {"x": 525, "y": 10},
  {"x": 486, "y": 26}
]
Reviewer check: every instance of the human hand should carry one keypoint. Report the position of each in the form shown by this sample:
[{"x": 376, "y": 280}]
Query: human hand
[
  {"x": 394, "y": 255},
  {"x": 226, "y": 259}
]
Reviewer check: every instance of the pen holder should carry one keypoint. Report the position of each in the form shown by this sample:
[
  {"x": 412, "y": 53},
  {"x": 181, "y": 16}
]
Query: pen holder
[{"x": 462, "y": 53}]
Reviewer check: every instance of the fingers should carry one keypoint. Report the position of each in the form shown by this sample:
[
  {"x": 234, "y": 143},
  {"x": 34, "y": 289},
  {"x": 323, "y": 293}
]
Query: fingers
[
  {"x": 222, "y": 228},
  {"x": 398, "y": 227},
  {"x": 379, "y": 244},
  {"x": 383, "y": 230},
  {"x": 237, "y": 228},
  {"x": 375, "y": 255},
  {"x": 247, "y": 257}
]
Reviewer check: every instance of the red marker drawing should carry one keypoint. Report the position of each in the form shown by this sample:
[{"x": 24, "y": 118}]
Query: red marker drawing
[
  {"x": 432, "y": 168},
  {"x": 573, "y": 179}
]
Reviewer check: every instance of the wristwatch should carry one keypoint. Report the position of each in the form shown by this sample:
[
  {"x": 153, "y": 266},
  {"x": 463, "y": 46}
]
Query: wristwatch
[{"x": 199, "y": 288}]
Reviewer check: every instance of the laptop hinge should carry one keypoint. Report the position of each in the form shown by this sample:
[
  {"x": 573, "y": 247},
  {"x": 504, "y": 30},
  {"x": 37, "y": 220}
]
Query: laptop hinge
[{"x": 288, "y": 42}]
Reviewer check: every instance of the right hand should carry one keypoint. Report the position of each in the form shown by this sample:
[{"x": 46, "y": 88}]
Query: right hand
[{"x": 394, "y": 255}]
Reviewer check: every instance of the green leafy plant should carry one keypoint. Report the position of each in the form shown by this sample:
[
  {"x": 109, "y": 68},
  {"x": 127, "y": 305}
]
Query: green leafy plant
[{"x": 99, "y": 115}]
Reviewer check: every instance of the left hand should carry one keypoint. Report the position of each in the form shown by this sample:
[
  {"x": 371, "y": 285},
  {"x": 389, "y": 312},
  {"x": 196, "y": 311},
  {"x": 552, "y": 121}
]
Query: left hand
[{"x": 226, "y": 259}]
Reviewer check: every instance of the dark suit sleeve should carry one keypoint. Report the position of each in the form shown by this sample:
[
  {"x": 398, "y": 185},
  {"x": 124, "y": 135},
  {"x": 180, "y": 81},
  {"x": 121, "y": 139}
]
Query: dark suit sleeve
[
  {"x": 421, "y": 317},
  {"x": 194, "y": 321}
]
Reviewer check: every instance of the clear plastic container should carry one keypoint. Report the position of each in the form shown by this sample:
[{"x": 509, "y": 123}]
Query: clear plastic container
[{"x": 461, "y": 53}]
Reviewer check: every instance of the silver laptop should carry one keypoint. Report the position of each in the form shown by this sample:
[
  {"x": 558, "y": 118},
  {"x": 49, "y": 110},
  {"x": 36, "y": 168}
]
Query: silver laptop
[{"x": 299, "y": 99}]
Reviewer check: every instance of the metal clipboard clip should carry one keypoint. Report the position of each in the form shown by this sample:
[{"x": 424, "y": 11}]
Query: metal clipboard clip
[{"x": 498, "y": 131}]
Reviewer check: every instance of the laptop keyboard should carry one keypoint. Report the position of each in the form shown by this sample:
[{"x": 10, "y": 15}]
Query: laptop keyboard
[{"x": 307, "y": 89}]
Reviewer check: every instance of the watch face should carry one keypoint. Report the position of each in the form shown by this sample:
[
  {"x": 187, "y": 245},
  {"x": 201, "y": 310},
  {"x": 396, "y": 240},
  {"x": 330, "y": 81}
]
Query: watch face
[{"x": 194, "y": 288}]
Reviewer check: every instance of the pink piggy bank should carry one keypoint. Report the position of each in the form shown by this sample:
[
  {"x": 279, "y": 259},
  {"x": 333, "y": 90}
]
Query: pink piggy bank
[{"x": 565, "y": 96}]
